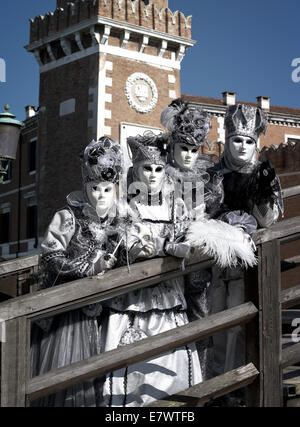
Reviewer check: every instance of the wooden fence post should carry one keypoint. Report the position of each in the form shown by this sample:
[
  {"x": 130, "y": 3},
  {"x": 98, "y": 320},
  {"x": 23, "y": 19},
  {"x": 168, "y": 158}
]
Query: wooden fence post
[
  {"x": 15, "y": 363},
  {"x": 253, "y": 391},
  {"x": 264, "y": 335},
  {"x": 271, "y": 327},
  {"x": 269, "y": 273}
]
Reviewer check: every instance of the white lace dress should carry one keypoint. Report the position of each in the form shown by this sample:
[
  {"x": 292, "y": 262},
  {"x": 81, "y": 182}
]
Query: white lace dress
[{"x": 145, "y": 313}]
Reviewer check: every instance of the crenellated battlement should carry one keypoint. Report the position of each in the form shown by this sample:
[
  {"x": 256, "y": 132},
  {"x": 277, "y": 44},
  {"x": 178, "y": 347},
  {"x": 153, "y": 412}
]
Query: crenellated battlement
[
  {"x": 154, "y": 15},
  {"x": 284, "y": 157}
]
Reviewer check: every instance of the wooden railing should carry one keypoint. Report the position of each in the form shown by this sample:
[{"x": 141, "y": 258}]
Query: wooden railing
[
  {"x": 261, "y": 314},
  {"x": 17, "y": 276}
]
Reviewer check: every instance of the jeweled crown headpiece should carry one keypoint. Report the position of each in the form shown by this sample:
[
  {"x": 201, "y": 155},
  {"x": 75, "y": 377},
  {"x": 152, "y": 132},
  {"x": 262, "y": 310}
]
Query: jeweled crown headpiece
[
  {"x": 186, "y": 123},
  {"x": 246, "y": 120},
  {"x": 148, "y": 149},
  {"x": 102, "y": 161}
]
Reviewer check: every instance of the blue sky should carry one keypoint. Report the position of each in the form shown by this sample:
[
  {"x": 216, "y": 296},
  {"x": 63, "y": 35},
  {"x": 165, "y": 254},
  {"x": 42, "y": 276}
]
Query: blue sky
[{"x": 246, "y": 47}]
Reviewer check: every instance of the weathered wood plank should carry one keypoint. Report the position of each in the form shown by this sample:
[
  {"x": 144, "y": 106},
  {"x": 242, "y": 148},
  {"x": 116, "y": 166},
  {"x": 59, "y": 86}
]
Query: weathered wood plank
[
  {"x": 254, "y": 393},
  {"x": 211, "y": 389},
  {"x": 270, "y": 328},
  {"x": 19, "y": 264},
  {"x": 290, "y": 297},
  {"x": 142, "y": 350},
  {"x": 291, "y": 192},
  {"x": 15, "y": 363},
  {"x": 291, "y": 378},
  {"x": 96, "y": 289},
  {"x": 290, "y": 239},
  {"x": 290, "y": 356},
  {"x": 277, "y": 231}
]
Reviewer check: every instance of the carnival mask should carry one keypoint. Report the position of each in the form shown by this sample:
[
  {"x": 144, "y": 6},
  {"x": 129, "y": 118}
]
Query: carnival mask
[
  {"x": 242, "y": 148},
  {"x": 185, "y": 155},
  {"x": 101, "y": 195},
  {"x": 153, "y": 176}
]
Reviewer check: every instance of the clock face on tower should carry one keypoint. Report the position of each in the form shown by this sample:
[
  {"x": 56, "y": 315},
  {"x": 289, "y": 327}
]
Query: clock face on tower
[{"x": 141, "y": 92}]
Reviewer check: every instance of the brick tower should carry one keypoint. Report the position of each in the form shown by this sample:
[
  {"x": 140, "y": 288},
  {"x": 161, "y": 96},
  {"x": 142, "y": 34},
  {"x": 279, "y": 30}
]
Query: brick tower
[{"x": 107, "y": 67}]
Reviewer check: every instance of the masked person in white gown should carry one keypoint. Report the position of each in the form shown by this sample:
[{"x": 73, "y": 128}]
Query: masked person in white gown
[
  {"x": 252, "y": 199},
  {"x": 79, "y": 242},
  {"x": 158, "y": 219},
  {"x": 188, "y": 128}
]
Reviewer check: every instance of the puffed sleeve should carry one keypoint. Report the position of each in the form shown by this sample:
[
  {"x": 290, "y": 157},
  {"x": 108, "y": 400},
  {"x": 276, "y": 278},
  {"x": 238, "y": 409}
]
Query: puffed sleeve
[
  {"x": 54, "y": 257},
  {"x": 59, "y": 233}
]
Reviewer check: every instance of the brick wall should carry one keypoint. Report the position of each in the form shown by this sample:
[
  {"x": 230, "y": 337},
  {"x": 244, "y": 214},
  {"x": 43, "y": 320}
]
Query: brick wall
[
  {"x": 62, "y": 138},
  {"x": 286, "y": 160},
  {"x": 120, "y": 108}
]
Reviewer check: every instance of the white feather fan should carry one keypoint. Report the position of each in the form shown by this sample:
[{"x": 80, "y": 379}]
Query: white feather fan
[{"x": 229, "y": 246}]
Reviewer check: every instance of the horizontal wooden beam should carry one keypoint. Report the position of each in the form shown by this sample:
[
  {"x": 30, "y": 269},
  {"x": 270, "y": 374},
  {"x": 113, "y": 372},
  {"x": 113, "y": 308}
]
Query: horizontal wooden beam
[
  {"x": 211, "y": 389},
  {"x": 15, "y": 265},
  {"x": 89, "y": 290},
  {"x": 291, "y": 192},
  {"x": 290, "y": 297},
  {"x": 142, "y": 350},
  {"x": 278, "y": 231},
  {"x": 290, "y": 239},
  {"x": 290, "y": 356}
]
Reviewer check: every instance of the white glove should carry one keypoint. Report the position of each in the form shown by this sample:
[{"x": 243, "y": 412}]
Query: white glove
[
  {"x": 139, "y": 250},
  {"x": 144, "y": 246},
  {"x": 178, "y": 250},
  {"x": 249, "y": 241},
  {"x": 198, "y": 212}
]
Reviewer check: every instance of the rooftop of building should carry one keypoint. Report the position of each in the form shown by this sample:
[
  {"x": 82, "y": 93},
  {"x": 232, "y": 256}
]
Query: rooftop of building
[{"x": 220, "y": 102}]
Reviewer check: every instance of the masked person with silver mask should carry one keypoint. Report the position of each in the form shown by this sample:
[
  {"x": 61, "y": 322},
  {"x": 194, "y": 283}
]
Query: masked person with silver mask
[
  {"x": 80, "y": 241},
  {"x": 188, "y": 128},
  {"x": 157, "y": 220},
  {"x": 249, "y": 185},
  {"x": 252, "y": 199}
]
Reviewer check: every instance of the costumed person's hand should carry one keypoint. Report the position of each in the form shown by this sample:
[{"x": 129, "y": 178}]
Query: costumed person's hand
[
  {"x": 144, "y": 246},
  {"x": 263, "y": 183},
  {"x": 140, "y": 250},
  {"x": 199, "y": 212},
  {"x": 109, "y": 261},
  {"x": 248, "y": 240},
  {"x": 148, "y": 250},
  {"x": 265, "y": 214},
  {"x": 102, "y": 262},
  {"x": 178, "y": 250}
]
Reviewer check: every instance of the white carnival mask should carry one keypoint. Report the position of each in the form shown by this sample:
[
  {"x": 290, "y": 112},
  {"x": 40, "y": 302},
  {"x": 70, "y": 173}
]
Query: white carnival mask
[
  {"x": 242, "y": 148},
  {"x": 152, "y": 176},
  {"x": 185, "y": 155},
  {"x": 101, "y": 195}
]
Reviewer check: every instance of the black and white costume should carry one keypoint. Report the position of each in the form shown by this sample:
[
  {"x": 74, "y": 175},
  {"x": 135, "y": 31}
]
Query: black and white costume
[
  {"x": 156, "y": 309},
  {"x": 77, "y": 244},
  {"x": 252, "y": 199}
]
